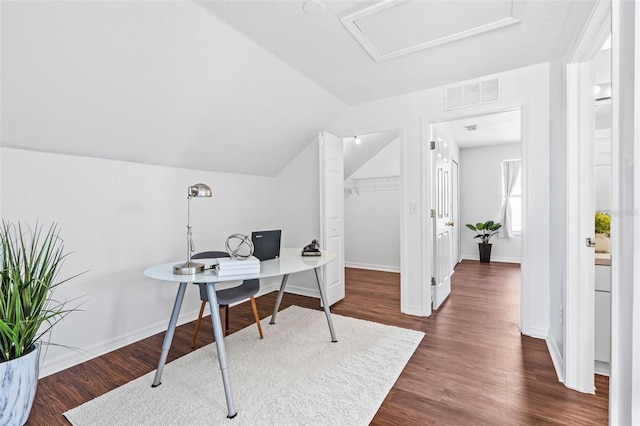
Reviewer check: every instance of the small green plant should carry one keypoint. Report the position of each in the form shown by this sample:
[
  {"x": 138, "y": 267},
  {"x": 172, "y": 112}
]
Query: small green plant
[
  {"x": 603, "y": 223},
  {"x": 30, "y": 263},
  {"x": 485, "y": 230}
]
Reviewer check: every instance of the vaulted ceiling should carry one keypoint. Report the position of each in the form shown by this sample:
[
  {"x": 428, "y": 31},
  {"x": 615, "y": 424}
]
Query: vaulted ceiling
[{"x": 233, "y": 86}]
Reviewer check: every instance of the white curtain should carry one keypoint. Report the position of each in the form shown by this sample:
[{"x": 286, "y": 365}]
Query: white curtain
[{"x": 510, "y": 171}]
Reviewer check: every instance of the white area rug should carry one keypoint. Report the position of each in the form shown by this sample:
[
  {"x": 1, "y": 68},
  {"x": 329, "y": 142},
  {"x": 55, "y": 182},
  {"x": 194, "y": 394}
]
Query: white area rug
[{"x": 294, "y": 376}]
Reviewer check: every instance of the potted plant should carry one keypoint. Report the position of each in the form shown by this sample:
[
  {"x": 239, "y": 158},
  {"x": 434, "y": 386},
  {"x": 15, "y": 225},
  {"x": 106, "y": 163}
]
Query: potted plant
[
  {"x": 30, "y": 261},
  {"x": 603, "y": 232},
  {"x": 485, "y": 231}
]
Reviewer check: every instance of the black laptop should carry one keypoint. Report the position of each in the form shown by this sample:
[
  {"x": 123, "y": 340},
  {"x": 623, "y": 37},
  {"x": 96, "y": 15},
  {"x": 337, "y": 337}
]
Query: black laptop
[{"x": 266, "y": 244}]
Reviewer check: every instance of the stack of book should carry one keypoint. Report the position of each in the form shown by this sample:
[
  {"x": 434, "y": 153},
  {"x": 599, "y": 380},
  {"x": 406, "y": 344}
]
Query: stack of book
[{"x": 226, "y": 266}]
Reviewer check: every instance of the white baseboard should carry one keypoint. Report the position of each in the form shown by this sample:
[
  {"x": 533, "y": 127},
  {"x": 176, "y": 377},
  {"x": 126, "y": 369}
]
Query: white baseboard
[
  {"x": 372, "y": 267},
  {"x": 74, "y": 357},
  {"x": 556, "y": 358},
  {"x": 602, "y": 368},
  {"x": 303, "y": 291},
  {"x": 538, "y": 333},
  {"x": 493, "y": 258}
]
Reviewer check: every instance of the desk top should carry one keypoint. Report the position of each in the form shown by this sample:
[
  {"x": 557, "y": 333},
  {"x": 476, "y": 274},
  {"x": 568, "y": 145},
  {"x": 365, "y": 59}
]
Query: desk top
[{"x": 289, "y": 262}]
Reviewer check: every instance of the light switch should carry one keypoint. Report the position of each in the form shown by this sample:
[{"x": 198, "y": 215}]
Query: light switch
[{"x": 413, "y": 208}]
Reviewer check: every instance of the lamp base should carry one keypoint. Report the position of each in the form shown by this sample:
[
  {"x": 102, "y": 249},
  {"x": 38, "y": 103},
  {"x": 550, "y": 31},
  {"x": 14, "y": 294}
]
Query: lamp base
[{"x": 188, "y": 268}]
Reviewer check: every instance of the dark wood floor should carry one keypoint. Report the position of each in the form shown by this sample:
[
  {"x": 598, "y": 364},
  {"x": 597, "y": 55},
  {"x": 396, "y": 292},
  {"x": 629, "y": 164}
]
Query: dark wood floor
[{"x": 472, "y": 368}]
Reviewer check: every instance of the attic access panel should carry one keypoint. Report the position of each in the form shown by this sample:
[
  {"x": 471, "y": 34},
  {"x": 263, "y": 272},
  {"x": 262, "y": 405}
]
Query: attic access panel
[{"x": 394, "y": 28}]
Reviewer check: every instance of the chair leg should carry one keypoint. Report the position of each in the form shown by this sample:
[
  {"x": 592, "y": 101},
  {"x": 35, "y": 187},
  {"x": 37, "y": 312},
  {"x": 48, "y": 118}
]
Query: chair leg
[
  {"x": 255, "y": 313},
  {"x": 195, "y": 332},
  {"x": 226, "y": 320}
]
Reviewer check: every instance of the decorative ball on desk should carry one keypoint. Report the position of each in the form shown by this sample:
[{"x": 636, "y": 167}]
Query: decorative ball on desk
[{"x": 239, "y": 246}]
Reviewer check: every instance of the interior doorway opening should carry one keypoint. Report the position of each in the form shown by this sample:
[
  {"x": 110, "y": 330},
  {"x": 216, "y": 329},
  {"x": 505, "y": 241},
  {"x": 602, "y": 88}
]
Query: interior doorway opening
[
  {"x": 478, "y": 147},
  {"x": 372, "y": 201}
]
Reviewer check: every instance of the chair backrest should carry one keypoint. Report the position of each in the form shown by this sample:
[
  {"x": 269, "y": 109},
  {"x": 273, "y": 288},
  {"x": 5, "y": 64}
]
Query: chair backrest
[
  {"x": 230, "y": 295},
  {"x": 210, "y": 255}
]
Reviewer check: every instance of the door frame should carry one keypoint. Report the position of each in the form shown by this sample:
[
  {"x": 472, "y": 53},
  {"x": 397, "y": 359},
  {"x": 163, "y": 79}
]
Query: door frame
[
  {"x": 427, "y": 188},
  {"x": 455, "y": 200},
  {"x": 624, "y": 383},
  {"x": 579, "y": 296},
  {"x": 403, "y": 205}
]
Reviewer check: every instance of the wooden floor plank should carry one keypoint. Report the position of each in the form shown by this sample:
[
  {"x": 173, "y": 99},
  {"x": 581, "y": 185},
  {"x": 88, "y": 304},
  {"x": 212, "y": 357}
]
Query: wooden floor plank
[{"x": 472, "y": 368}]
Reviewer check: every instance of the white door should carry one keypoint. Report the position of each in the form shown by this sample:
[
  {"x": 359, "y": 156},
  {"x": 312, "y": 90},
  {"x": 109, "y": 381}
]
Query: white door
[
  {"x": 332, "y": 212},
  {"x": 578, "y": 316},
  {"x": 455, "y": 215},
  {"x": 441, "y": 218}
]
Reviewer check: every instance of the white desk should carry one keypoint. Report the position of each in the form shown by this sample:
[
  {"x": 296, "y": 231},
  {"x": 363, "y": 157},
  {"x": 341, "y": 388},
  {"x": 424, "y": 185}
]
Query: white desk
[{"x": 290, "y": 262}]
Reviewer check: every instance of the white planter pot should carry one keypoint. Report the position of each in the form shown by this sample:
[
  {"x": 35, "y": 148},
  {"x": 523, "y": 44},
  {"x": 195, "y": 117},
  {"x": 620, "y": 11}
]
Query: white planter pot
[
  {"x": 603, "y": 243},
  {"x": 18, "y": 381}
]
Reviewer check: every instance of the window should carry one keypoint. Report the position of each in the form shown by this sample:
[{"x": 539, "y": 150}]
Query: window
[
  {"x": 511, "y": 190},
  {"x": 516, "y": 207}
]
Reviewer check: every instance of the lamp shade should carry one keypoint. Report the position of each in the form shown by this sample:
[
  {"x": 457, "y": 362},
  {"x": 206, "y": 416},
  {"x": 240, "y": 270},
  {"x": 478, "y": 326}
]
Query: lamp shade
[{"x": 199, "y": 190}]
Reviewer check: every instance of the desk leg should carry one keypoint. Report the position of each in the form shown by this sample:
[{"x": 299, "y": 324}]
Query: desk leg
[
  {"x": 168, "y": 336},
  {"x": 222, "y": 354},
  {"x": 279, "y": 299},
  {"x": 325, "y": 305}
]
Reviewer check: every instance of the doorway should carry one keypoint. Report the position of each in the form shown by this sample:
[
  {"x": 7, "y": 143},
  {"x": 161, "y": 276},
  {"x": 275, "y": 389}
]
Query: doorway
[
  {"x": 479, "y": 145},
  {"x": 602, "y": 196},
  {"x": 372, "y": 201}
]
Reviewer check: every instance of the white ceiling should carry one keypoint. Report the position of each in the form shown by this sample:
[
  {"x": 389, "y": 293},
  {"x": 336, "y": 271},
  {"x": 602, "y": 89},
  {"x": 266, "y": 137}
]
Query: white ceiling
[
  {"x": 490, "y": 129},
  {"x": 228, "y": 86},
  {"x": 322, "y": 48}
]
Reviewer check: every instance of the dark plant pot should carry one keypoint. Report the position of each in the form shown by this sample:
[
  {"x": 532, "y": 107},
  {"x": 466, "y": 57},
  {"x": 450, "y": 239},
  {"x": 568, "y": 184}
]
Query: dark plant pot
[{"x": 485, "y": 252}]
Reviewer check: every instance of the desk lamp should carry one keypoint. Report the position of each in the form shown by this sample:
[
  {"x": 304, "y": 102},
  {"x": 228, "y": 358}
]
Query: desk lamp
[{"x": 189, "y": 267}]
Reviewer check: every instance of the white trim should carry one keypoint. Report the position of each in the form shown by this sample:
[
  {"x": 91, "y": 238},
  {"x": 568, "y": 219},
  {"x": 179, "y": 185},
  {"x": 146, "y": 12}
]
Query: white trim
[
  {"x": 579, "y": 293},
  {"x": 578, "y": 319},
  {"x": 425, "y": 219},
  {"x": 556, "y": 358},
  {"x": 405, "y": 306},
  {"x": 350, "y": 22},
  {"x": 602, "y": 368},
  {"x": 372, "y": 267},
  {"x": 624, "y": 384},
  {"x": 72, "y": 357},
  {"x": 527, "y": 281}
]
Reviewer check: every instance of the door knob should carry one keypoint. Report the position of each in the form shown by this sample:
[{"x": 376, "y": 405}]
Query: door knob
[
  {"x": 590, "y": 242},
  {"x": 450, "y": 223}
]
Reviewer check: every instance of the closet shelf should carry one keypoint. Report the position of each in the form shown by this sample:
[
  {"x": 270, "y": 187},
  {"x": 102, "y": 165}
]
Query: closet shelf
[{"x": 378, "y": 183}]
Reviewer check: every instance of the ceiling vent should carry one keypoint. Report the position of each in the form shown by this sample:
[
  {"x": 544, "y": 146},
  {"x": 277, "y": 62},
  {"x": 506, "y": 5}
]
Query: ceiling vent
[
  {"x": 392, "y": 28},
  {"x": 469, "y": 94}
]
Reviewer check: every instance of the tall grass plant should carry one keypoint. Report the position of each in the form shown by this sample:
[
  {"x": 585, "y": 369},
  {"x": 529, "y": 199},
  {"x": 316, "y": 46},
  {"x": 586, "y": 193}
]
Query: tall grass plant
[{"x": 31, "y": 261}]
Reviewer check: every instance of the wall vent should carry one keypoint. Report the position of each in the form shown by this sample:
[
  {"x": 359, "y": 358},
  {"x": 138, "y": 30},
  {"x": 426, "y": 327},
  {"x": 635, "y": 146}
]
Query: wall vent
[{"x": 469, "y": 94}]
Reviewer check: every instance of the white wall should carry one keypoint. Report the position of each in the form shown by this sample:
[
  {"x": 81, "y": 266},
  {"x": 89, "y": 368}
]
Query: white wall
[
  {"x": 527, "y": 88},
  {"x": 298, "y": 211},
  {"x": 117, "y": 219},
  {"x": 481, "y": 199},
  {"x": 372, "y": 218},
  {"x": 557, "y": 226}
]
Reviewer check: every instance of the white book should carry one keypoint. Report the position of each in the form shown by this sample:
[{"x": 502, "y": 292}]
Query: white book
[
  {"x": 230, "y": 263},
  {"x": 229, "y": 272}
]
